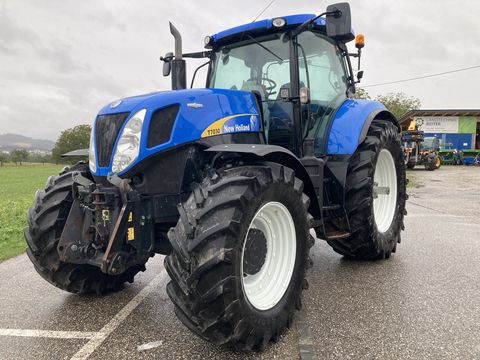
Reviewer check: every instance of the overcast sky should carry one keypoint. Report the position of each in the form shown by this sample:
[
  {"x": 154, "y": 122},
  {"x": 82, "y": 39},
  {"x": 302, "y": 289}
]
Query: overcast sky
[{"x": 61, "y": 61}]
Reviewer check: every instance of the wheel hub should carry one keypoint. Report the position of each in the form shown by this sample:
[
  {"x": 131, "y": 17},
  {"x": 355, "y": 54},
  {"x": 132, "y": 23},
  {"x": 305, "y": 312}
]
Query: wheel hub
[{"x": 255, "y": 252}]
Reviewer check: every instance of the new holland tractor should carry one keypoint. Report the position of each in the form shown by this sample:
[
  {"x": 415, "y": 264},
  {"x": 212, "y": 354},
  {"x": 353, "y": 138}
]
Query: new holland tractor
[{"x": 228, "y": 181}]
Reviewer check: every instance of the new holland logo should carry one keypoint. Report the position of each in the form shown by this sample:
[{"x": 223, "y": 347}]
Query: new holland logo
[
  {"x": 232, "y": 124},
  {"x": 195, "y": 105}
]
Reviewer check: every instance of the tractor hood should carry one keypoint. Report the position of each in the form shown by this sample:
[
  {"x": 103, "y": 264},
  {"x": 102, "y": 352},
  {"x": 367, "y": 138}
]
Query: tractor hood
[{"x": 173, "y": 118}]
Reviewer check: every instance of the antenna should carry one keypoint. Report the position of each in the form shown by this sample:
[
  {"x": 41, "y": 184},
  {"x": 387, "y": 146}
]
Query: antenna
[{"x": 265, "y": 9}]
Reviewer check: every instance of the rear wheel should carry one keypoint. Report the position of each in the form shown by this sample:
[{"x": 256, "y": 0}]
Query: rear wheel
[
  {"x": 46, "y": 220},
  {"x": 240, "y": 250},
  {"x": 375, "y": 195},
  {"x": 438, "y": 162}
]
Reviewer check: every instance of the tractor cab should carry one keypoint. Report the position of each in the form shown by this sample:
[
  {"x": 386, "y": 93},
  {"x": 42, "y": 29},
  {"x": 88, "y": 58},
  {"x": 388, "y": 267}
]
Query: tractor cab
[
  {"x": 430, "y": 143},
  {"x": 298, "y": 82},
  {"x": 297, "y": 66}
]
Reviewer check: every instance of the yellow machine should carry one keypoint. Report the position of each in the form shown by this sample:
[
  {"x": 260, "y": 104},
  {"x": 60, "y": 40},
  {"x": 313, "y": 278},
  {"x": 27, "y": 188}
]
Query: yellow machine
[{"x": 420, "y": 150}]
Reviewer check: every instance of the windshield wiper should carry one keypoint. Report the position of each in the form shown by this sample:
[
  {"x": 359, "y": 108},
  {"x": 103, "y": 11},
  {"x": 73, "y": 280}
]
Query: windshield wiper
[{"x": 265, "y": 48}]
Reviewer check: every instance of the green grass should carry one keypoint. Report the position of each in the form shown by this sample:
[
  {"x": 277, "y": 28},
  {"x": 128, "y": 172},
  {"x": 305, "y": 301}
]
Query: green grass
[{"x": 17, "y": 189}]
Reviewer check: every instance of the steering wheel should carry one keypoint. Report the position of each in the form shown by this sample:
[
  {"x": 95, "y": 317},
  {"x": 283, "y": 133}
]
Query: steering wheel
[{"x": 268, "y": 88}]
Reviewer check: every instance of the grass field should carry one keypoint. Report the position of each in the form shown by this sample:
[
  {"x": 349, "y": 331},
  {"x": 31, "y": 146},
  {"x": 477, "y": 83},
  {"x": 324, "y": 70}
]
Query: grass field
[{"x": 17, "y": 189}]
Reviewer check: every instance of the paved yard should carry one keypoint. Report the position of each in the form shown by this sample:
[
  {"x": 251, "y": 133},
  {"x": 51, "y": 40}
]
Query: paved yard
[{"x": 422, "y": 303}]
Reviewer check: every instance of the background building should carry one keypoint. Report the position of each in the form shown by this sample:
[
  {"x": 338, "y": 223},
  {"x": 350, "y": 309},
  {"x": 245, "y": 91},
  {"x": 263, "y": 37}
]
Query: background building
[{"x": 456, "y": 129}]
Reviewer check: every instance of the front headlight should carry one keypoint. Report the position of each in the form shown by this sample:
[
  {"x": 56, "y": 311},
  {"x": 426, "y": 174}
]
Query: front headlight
[
  {"x": 128, "y": 145},
  {"x": 92, "y": 158}
]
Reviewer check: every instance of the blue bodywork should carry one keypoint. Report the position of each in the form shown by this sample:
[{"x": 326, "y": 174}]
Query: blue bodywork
[
  {"x": 348, "y": 124},
  {"x": 222, "y": 111},
  {"x": 266, "y": 25}
]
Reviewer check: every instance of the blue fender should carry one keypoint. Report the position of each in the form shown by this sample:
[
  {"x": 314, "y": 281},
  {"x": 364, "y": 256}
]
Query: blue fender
[{"x": 351, "y": 122}]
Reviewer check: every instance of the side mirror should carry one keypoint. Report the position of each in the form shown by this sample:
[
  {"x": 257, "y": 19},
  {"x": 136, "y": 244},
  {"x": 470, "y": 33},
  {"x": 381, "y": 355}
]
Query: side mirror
[
  {"x": 339, "y": 22},
  {"x": 167, "y": 63},
  {"x": 304, "y": 95},
  {"x": 359, "y": 75}
]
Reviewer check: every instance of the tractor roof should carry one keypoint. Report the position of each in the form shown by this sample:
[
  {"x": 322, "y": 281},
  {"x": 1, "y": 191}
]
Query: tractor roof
[{"x": 262, "y": 27}]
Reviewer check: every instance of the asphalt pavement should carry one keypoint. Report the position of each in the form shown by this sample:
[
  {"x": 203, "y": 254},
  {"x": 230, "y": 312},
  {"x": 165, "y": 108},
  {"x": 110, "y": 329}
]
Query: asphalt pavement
[{"x": 421, "y": 303}]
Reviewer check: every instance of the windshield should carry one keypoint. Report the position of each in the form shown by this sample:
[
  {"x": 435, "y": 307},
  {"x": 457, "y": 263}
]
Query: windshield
[
  {"x": 428, "y": 143},
  {"x": 257, "y": 65}
]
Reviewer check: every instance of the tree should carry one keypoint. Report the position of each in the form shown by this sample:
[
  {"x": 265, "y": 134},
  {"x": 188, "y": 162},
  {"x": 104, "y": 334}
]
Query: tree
[
  {"x": 399, "y": 103},
  {"x": 19, "y": 156},
  {"x": 69, "y": 140},
  {"x": 45, "y": 159},
  {"x": 4, "y": 157},
  {"x": 40, "y": 158},
  {"x": 361, "y": 93}
]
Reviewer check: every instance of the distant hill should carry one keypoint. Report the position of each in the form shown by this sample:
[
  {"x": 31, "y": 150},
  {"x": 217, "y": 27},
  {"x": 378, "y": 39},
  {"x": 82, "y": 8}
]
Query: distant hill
[{"x": 9, "y": 142}]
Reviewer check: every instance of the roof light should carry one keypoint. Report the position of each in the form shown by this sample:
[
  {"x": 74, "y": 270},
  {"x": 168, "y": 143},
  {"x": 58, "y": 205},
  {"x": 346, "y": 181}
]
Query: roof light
[
  {"x": 208, "y": 42},
  {"x": 359, "y": 41},
  {"x": 279, "y": 22}
]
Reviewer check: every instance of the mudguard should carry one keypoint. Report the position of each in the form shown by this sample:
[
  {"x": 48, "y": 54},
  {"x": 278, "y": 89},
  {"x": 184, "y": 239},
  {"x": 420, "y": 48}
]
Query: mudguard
[
  {"x": 79, "y": 152},
  {"x": 351, "y": 122},
  {"x": 279, "y": 155}
]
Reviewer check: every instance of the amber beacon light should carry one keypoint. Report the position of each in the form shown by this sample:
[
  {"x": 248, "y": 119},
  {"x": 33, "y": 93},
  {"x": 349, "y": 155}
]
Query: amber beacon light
[{"x": 359, "y": 41}]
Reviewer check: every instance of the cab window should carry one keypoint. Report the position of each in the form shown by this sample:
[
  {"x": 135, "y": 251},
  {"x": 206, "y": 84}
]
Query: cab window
[{"x": 322, "y": 70}]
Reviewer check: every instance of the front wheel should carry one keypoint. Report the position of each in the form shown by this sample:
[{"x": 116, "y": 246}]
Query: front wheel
[
  {"x": 46, "y": 220},
  {"x": 431, "y": 163},
  {"x": 375, "y": 195},
  {"x": 240, "y": 250}
]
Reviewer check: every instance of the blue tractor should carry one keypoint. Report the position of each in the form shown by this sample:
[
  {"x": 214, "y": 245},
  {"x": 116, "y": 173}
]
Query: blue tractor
[{"x": 229, "y": 181}]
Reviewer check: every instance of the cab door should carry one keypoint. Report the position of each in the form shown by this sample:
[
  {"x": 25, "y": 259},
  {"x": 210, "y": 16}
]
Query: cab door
[{"x": 322, "y": 70}]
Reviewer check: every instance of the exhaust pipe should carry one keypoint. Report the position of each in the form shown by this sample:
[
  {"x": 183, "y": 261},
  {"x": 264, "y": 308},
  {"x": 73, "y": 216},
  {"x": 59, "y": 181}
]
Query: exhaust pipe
[{"x": 179, "y": 67}]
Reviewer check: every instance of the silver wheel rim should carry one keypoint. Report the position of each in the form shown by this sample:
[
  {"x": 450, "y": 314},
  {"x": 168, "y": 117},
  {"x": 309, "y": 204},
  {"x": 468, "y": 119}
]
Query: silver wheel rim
[
  {"x": 384, "y": 191},
  {"x": 266, "y": 288}
]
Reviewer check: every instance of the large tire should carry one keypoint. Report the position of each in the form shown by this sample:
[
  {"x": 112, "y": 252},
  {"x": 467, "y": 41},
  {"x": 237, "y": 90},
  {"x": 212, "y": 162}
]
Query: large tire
[
  {"x": 438, "y": 162},
  {"x": 46, "y": 220},
  {"x": 430, "y": 164},
  {"x": 205, "y": 266},
  {"x": 367, "y": 242}
]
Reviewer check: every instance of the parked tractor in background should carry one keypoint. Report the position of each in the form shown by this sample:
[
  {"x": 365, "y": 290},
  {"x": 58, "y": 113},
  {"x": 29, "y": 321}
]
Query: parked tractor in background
[
  {"x": 420, "y": 150},
  {"x": 228, "y": 181}
]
